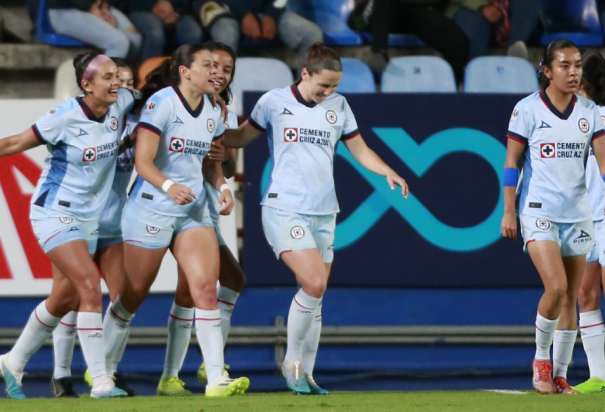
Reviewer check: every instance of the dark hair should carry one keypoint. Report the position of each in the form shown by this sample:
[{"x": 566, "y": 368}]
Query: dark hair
[
  {"x": 549, "y": 56},
  {"x": 593, "y": 76},
  {"x": 316, "y": 53},
  {"x": 212, "y": 45},
  {"x": 125, "y": 63},
  {"x": 81, "y": 62},
  {"x": 167, "y": 73}
]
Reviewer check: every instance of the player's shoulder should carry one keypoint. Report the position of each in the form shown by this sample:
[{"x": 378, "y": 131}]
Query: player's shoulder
[
  {"x": 585, "y": 103},
  {"x": 62, "y": 111},
  {"x": 335, "y": 100},
  {"x": 529, "y": 102},
  {"x": 232, "y": 122},
  {"x": 601, "y": 110},
  {"x": 163, "y": 95}
]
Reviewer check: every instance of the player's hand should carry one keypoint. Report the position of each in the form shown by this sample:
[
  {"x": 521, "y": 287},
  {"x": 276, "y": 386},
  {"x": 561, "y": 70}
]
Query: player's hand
[
  {"x": 491, "y": 13},
  {"x": 225, "y": 203},
  {"x": 251, "y": 26},
  {"x": 218, "y": 152},
  {"x": 394, "y": 179},
  {"x": 509, "y": 226},
  {"x": 181, "y": 194},
  {"x": 269, "y": 28}
]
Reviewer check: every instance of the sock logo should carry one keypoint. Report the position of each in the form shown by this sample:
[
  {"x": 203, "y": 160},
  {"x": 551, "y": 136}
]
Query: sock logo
[{"x": 96, "y": 335}]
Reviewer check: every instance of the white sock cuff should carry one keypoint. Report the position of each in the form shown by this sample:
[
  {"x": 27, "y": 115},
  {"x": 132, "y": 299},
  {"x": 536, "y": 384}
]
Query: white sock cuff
[
  {"x": 70, "y": 320},
  {"x": 44, "y": 317},
  {"x": 546, "y": 325},
  {"x": 90, "y": 321},
  {"x": 203, "y": 315},
  {"x": 565, "y": 336},
  {"x": 118, "y": 312},
  {"x": 592, "y": 318},
  {"x": 306, "y": 301},
  {"x": 182, "y": 314},
  {"x": 227, "y": 296}
]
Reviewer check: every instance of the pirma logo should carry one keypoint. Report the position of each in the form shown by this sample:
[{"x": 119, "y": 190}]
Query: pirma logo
[{"x": 583, "y": 238}]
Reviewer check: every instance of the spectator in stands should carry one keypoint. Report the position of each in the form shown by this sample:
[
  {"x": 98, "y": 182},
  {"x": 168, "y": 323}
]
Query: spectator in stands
[
  {"x": 481, "y": 19},
  {"x": 258, "y": 20},
  {"x": 91, "y": 22},
  {"x": 161, "y": 21},
  {"x": 423, "y": 18}
]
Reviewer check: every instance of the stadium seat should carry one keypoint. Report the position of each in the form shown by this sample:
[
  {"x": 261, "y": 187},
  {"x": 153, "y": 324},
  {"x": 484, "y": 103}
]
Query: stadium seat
[
  {"x": 65, "y": 81},
  {"x": 146, "y": 67},
  {"x": 418, "y": 74},
  {"x": 400, "y": 40},
  {"x": 356, "y": 77},
  {"x": 46, "y": 34},
  {"x": 331, "y": 17},
  {"x": 575, "y": 20},
  {"x": 258, "y": 74},
  {"x": 500, "y": 74}
]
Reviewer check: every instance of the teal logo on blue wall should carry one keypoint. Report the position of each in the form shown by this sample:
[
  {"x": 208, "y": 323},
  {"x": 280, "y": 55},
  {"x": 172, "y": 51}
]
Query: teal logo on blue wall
[{"x": 419, "y": 158}]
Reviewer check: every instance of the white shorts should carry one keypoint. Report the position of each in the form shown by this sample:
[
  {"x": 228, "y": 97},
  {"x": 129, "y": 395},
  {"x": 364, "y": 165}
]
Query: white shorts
[
  {"x": 574, "y": 239},
  {"x": 219, "y": 236},
  {"x": 290, "y": 231},
  {"x": 54, "y": 228},
  {"x": 598, "y": 251},
  {"x": 145, "y": 228}
]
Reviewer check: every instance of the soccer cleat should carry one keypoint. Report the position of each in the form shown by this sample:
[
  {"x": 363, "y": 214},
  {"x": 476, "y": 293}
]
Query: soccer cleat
[
  {"x": 63, "y": 387},
  {"x": 203, "y": 377},
  {"x": 315, "y": 389},
  {"x": 295, "y": 377},
  {"x": 561, "y": 386},
  {"x": 13, "y": 381},
  {"x": 88, "y": 378},
  {"x": 172, "y": 386},
  {"x": 107, "y": 389},
  {"x": 118, "y": 379},
  {"x": 542, "y": 380},
  {"x": 592, "y": 385},
  {"x": 224, "y": 386}
]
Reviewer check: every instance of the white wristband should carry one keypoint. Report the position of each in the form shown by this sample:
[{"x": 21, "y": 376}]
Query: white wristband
[
  {"x": 167, "y": 184},
  {"x": 224, "y": 187}
]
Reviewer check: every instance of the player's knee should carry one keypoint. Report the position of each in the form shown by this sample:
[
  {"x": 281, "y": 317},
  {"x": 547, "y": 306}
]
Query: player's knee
[
  {"x": 204, "y": 294},
  {"x": 90, "y": 292},
  {"x": 316, "y": 287},
  {"x": 557, "y": 291},
  {"x": 588, "y": 299}
]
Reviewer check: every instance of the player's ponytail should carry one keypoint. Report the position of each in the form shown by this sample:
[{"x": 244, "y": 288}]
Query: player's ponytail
[
  {"x": 593, "y": 76},
  {"x": 319, "y": 57},
  {"x": 549, "y": 55}
]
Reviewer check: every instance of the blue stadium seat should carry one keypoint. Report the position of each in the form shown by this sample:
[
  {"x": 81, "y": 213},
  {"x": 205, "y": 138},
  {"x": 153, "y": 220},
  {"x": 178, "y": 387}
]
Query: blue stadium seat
[
  {"x": 500, "y": 74},
  {"x": 400, "y": 40},
  {"x": 46, "y": 34},
  {"x": 356, "y": 77},
  {"x": 575, "y": 20},
  {"x": 331, "y": 17},
  {"x": 251, "y": 74},
  {"x": 418, "y": 74}
]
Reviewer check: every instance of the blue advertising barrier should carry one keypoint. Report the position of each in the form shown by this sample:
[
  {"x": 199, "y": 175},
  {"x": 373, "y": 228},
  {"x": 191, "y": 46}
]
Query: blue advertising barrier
[{"x": 450, "y": 149}]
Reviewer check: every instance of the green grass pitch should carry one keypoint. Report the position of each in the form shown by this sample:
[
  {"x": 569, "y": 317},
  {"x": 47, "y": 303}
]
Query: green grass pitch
[{"x": 469, "y": 401}]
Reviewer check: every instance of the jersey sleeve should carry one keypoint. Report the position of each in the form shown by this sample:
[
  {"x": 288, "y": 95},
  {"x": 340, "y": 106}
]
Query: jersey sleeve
[
  {"x": 156, "y": 114},
  {"x": 598, "y": 125},
  {"x": 232, "y": 122},
  {"x": 260, "y": 116},
  {"x": 350, "y": 129},
  {"x": 125, "y": 101},
  {"x": 50, "y": 128},
  {"x": 219, "y": 130},
  {"x": 518, "y": 127}
]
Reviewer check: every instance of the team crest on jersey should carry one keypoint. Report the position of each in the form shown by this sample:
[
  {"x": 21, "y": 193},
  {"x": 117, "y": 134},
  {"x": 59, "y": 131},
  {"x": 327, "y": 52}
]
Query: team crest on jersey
[
  {"x": 543, "y": 224},
  {"x": 113, "y": 123},
  {"x": 66, "y": 220},
  {"x": 515, "y": 113},
  {"x": 331, "y": 116},
  {"x": 547, "y": 151},
  {"x": 584, "y": 125},
  {"x": 90, "y": 154},
  {"x": 177, "y": 144},
  {"x": 53, "y": 111},
  {"x": 150, "y": 106},
  {"x": 210, "y": 125},
  {"x": 153, "y": 230},
  {"x": 291, "y": 134},
  {"x": 297, "y": 232}
]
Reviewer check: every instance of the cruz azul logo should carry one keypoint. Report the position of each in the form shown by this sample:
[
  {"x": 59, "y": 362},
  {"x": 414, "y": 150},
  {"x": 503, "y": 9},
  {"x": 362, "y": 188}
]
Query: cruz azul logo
[
  {"x": 189, "y": 146},
  {"x": 419, "y": 158},
  {"x": 562, "y": 150}
]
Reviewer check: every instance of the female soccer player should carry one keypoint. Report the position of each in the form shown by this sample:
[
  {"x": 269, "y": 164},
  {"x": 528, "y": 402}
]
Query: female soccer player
[
  {"x": 231, "y": 275},
  {"x": 305, "y": 122},
  {"x": 82, "y": 136},
  {"x": 553, "y": 130},
  {"x": 591, "y": 319},
  {"x": 177, "y": 127},
  {"x": 109, "y": 255}
]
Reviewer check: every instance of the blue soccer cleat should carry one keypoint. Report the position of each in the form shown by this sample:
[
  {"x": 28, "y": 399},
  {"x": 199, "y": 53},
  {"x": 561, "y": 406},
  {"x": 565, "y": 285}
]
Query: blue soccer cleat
[
  {"x": 14, "y": 387},
  {"x": 107, "y": 389},
  {"x": 315, "y": 389},
  {"x": 295, "y": 377}
]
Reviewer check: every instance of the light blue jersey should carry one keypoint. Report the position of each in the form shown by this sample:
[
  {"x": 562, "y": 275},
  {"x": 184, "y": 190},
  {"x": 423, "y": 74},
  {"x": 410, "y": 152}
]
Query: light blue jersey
[
  {"x": 302, "y": 141},
  {"x": 109, "y": 224},
  {"x": 82, "y": 156},
  {"x": 212, "y": 194},
  {"x": 595, "y": 183},
  {"x": 553, "y": 186},
  {"x": 185, "y": 139}
]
